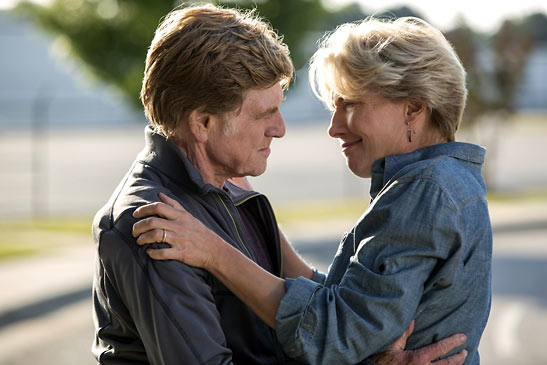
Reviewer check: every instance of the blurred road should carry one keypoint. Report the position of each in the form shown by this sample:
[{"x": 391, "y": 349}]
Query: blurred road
[
  {"x": 57, "y": 329},
  {"x": 76, "y": 170}
]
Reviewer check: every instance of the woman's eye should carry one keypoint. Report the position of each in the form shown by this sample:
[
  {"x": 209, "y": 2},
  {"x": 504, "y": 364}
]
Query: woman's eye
[{"x": 341, "y": 103}]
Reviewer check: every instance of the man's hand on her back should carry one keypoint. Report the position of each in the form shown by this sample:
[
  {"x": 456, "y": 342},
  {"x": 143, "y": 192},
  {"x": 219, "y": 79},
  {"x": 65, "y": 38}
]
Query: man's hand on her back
[{"x": 397, "y": 355}]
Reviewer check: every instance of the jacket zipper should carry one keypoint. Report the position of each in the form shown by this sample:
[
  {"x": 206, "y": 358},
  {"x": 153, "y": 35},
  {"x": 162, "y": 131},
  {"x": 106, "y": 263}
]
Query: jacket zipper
[
  {"x": 237, "y": 231},
  {"x": 279, "y": 251}
]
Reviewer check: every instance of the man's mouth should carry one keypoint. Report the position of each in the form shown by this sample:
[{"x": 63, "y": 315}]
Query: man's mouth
[{"x": 265, "y": 150}]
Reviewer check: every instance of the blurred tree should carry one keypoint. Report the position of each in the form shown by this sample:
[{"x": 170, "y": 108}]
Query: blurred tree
[
  {"x": 512, "y": 46},
  {"x": 400, "y": 12},
  {"x": 494, "y": 68},
  {"x": 467, "y": 45},
  {"x": 294, "y": 19},
  {"x": 536, "y": 25},
  {"x": 111, "y": 37}
]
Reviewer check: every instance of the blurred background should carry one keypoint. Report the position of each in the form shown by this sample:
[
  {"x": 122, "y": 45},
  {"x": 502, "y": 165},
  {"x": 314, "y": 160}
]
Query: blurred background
[{"x": 71, "y": 124}]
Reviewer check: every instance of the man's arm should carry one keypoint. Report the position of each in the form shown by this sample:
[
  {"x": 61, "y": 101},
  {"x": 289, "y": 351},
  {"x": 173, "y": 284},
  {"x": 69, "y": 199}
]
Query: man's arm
[{"x": 169, "y": 303}]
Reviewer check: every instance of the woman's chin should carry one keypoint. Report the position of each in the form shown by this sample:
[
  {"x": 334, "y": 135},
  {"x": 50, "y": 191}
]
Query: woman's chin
[{"x": 359, "y": 171}]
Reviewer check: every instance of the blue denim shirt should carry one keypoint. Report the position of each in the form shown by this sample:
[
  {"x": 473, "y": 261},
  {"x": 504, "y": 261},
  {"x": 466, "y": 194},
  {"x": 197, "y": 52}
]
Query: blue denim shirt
[{"x": 422, "y": 250}]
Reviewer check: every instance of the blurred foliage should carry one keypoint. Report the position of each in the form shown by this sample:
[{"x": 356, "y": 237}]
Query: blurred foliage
[
  {"x": 111, "y": 37},
  {"x": 536, "y": 26},
  {"x": 494, "y": 66}
]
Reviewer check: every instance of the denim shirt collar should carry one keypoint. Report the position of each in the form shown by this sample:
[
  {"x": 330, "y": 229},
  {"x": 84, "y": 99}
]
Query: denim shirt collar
[{"x": 385, "y": 168}]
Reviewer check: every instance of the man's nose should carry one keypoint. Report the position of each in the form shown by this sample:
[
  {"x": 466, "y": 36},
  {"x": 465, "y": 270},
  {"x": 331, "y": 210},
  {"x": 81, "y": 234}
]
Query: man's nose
[{"x": 277, "y": 128}]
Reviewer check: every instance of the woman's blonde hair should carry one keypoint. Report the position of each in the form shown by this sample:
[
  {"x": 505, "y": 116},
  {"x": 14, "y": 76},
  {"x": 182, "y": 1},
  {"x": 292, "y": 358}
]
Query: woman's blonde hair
[
  {"x": 404, "y": 58},
  {"x": 207, "y": 57}
]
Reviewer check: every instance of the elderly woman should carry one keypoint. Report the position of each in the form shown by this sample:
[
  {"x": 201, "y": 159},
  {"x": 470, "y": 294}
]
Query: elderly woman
[{"x": 422, "y": 250}]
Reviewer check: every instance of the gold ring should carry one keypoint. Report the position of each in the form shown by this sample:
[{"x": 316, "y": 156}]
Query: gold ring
[{"x": 164, "y": 236}]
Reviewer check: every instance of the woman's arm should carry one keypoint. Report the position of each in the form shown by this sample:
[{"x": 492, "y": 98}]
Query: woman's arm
[
  {"x": 194, "y": 244},
  {"x": 201, "y": 247}
]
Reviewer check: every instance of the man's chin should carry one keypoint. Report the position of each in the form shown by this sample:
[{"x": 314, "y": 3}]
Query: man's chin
[{"x": 257, "y": 171}]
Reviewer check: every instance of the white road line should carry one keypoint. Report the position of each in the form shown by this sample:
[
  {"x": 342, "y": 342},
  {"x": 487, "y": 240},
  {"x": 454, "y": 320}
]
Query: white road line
[{"x": 506, "y": 336}]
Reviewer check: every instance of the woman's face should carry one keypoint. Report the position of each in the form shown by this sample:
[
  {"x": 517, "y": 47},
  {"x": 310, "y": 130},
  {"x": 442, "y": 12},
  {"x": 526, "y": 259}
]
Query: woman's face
[{"x": 368, "y": 129}]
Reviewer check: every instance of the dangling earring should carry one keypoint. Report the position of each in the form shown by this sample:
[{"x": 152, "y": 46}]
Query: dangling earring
[{"x": 409, "y": 132}]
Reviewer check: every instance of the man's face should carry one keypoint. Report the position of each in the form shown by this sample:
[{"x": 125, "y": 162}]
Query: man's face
[{"x": 244, "y": 150}]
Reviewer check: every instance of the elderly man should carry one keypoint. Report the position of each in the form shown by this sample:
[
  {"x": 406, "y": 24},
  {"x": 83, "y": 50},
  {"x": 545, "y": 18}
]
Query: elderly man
[{"x": 212, "y": 88}]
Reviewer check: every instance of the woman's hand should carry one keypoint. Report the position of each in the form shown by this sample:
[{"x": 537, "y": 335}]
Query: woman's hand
[
  {"x": 194, "y": 244},
  {"x": 167, "y": 221}
]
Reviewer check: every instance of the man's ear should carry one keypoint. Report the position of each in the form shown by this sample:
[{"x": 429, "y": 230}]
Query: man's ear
[
  {"x": 199, "y": 124},
  {"x": 414, "y": 110}
]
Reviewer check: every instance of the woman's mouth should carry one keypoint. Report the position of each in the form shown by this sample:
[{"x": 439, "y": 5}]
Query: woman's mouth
[{"x": 346, "y": 145}]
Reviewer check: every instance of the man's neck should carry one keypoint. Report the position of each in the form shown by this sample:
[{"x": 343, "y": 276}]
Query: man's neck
[{"x": 195, "y": 152}]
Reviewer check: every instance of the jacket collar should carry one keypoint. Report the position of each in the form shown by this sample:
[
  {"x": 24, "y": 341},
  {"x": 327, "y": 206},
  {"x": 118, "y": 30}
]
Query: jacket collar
[
  {"x": 385, "y": 168},
  {"x": 167, "y": 157}
]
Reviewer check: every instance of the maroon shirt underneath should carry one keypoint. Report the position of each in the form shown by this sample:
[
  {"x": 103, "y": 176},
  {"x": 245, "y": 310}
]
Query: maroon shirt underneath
[{"x": 253, "y": 237}]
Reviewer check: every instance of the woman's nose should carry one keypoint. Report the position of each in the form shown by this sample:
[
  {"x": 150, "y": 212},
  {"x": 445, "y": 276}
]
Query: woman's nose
[{"x": 336, "y": 127}]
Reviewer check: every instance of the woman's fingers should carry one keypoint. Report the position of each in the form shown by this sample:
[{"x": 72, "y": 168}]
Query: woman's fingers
[
  {"x": 159, "y": 209},
  {"x": 168, "y": 208},
  {"x": 151, "y": 224},
  {"x": 153, "y": 236},
  {"x": 165, "y": 254},
  {"x": 183, "y": 251},
  {"x": 171, "y": 202}
]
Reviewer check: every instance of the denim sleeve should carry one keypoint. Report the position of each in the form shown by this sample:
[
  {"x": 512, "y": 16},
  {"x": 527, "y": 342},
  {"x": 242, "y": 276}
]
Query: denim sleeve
[
  {"x": 318, "y": 277},
  {"x": 404, "y": 235}
]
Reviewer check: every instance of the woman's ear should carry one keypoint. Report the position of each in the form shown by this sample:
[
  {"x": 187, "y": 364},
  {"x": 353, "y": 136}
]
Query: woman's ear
[
  {"x": 414, "y": 109},
  {"x": 198, "y": 121}
]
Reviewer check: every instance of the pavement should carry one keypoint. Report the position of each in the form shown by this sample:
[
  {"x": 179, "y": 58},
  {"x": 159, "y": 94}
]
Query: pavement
[{"x": 46, "y": 298}]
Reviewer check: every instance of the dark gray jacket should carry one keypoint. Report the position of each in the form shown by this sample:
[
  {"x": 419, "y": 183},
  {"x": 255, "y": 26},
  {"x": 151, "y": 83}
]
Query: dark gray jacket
[{"x": 165, "y": 312}]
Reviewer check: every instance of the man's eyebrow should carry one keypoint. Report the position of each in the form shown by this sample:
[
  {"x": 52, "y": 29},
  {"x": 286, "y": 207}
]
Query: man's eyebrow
[{"x": 267, "y": 112}]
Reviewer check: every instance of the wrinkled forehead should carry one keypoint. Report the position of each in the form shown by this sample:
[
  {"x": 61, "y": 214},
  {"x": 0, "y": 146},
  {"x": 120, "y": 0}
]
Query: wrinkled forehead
[{"x": 258, "y": 102}]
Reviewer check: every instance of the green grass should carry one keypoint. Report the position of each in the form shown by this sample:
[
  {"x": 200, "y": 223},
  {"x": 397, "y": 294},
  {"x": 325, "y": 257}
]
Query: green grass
[
  {"x": 523, "y": 197},
  {"x": 58, "y": 224},
  {"x": 319, "y": 210},
  {"x": 11, "y": 252},
  {"x": 26, "y": 237}
]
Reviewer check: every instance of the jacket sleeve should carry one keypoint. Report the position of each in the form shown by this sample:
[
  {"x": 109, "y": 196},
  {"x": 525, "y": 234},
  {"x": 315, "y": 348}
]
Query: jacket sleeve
[
  {"x": 170, "y": 303},
  {"x": 398, "y": 244}
]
